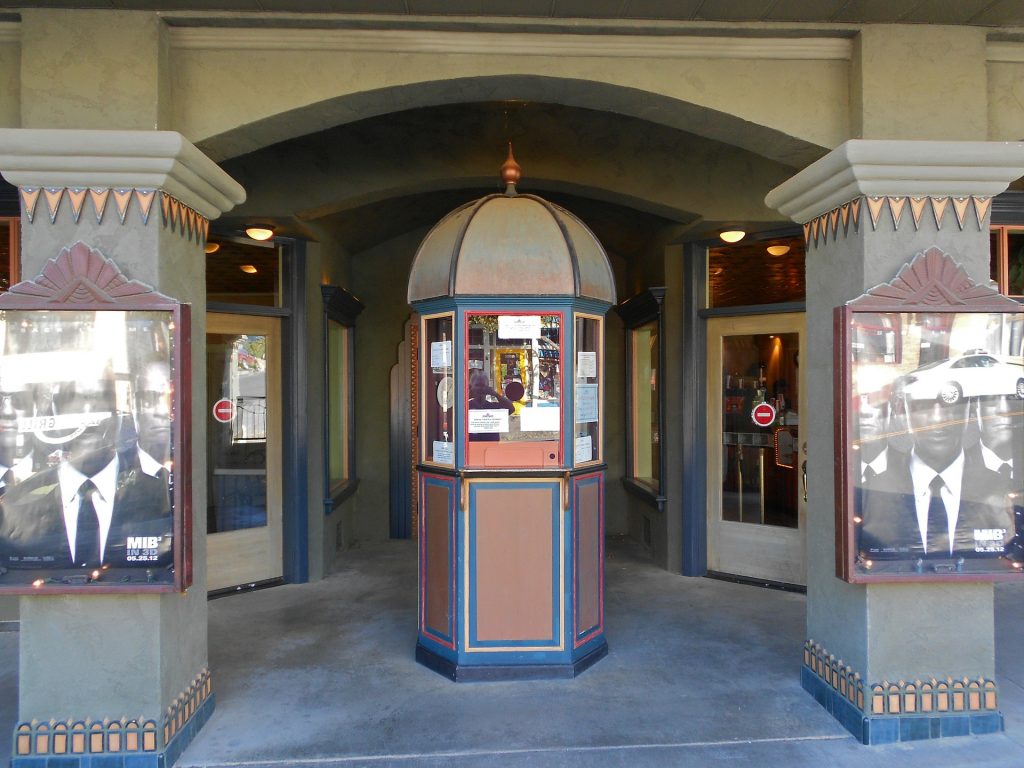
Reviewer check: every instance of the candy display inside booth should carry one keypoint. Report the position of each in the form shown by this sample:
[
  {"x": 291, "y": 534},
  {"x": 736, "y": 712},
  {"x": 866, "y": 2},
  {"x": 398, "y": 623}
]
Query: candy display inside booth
[{"x": 512, "y": 292}]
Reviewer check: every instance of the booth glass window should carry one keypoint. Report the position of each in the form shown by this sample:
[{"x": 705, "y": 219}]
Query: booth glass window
[
  {"x": 1007, "y": 259},
  {"x": 339, "y": 404},
  {"x": 9, "y": 228},
  {"x": 587, "y": 392},
  {"x": 645, "y": 369},
  {"x": 438, "y": 397},
  {"x": 513, "y": 389}
]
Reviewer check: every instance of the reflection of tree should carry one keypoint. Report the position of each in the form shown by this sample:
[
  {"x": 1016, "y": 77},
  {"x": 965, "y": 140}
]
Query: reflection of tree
[{"x": 255, "y": 346}]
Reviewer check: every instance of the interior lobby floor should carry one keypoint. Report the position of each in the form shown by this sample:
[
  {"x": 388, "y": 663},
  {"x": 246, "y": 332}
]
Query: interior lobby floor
[{"x": 699, "y": 672}]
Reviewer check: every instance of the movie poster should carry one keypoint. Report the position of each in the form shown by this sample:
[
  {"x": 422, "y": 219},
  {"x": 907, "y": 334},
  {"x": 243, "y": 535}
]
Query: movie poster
[
  {"x": 934, "y": 458},
  {"x": 87, "y": 449}
]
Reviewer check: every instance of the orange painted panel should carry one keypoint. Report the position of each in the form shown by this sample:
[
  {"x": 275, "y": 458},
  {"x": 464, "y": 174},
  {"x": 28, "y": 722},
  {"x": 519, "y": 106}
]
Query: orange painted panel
[
  {"x": 588, "y": 563},
  {"x": 514, "y": 551},
  {"x": 438, "y": 568}
]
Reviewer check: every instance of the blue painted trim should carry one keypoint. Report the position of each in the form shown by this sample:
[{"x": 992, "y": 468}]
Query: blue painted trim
[
  {"x": 695, "y": 444},
  {"x": 295, "y": 366},
  {"x": 890, "y": 729},
  {"x": 556, "y": 623},
  {"x": 164, "y": 759}
]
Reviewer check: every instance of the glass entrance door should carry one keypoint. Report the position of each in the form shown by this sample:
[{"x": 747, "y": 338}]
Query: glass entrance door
[
  {"x": 243, "y": 438},
  {"x": 755, "y": 457}
]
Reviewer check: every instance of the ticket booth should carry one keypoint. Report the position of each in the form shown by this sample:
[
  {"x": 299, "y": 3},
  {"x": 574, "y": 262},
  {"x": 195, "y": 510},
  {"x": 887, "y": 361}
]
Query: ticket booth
[{"x": 512, "y": 292}]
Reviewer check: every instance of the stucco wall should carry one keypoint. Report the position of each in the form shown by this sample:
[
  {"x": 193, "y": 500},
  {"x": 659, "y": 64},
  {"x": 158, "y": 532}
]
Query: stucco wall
[
  {"x": 307, "y": 86},
  {"x": 10, "y": 76},
  {"x": 890, "y": 80},
  {"x": 1006, "y": 99},
  {"x": 379, "y": 279},
  {"x": 919, "y": 82},
  {"x": 93, "y": 69}
]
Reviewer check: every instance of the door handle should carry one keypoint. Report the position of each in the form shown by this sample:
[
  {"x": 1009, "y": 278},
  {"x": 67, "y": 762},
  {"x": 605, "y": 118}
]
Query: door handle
[{"x": 803, "y": 470}]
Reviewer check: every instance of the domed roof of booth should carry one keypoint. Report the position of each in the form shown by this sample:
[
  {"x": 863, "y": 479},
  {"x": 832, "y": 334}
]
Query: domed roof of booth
[{"x": 511, "y": 244}]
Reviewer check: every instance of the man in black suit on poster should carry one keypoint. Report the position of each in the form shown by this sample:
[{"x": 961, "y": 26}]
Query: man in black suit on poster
[
  {"x": 1001, "y": 448},
  {"x": 96, "y": 507},
  {"x": 934, "y": 502}
]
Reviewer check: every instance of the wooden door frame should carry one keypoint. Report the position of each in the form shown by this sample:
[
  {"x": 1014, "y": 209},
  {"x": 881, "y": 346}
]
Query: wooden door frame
[
  {"x": 782, "y": 537},
  {"x": 272, "y": 327}
]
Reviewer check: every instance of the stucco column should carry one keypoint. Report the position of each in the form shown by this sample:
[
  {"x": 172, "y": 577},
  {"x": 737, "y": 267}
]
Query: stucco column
[
  {"x": 143, "y": 199},
  {"x": 867, "y": 209}
]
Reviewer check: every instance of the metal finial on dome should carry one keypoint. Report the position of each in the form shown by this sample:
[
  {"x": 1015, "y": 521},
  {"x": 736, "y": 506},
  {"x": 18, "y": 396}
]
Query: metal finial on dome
[{"x": 510, "y": 172}]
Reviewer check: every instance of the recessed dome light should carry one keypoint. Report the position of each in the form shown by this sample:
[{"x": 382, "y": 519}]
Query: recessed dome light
[
  {"x": 249, "y": 269},
  {"x": 778, "y": 250},
  {"x": 260, "y": 231},
  {"x": 732, "y": 235}
]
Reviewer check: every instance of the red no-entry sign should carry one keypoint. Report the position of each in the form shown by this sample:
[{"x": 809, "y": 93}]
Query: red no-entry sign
[
  {"x": 763, "y": 414},
  {"x": 224, "y": 410}
]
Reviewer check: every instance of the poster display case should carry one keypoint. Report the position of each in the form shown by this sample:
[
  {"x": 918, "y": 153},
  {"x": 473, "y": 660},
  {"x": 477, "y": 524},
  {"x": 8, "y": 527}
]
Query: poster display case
[
  {"x": 94, "y": 460},
  {"x": 930, "y": 432}
]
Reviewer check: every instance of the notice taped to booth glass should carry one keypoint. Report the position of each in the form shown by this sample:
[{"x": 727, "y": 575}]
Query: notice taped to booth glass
[
  {"x": 440, "y": 355},
  {"x": 487, "y": 420},
  {"x": 518, "y": 326},
  {"x": 444, "y": 453}
]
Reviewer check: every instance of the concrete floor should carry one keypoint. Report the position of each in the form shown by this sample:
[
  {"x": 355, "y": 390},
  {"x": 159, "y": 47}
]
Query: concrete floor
[{"x": 700, "y": 672}]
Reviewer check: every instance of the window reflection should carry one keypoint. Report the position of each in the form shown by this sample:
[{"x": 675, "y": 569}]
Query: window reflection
[
  {"x": 760, "y": 431},
  {"x": 646, "y": 405}
]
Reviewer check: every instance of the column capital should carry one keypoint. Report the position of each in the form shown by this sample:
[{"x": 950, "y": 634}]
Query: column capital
[
  {"x": 861, "y": 167},
  {"x": 156, "y": 160}
]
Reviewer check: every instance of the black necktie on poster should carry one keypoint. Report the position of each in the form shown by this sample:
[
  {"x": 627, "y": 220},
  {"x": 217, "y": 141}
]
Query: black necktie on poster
[
  {"x": 1006, "y": 470},
  {"x": 869, "y": 474},
  {"x": 8, "y": 480},
  {"x": 938, "y": 524},
  {"x": 87, "y": 539}
]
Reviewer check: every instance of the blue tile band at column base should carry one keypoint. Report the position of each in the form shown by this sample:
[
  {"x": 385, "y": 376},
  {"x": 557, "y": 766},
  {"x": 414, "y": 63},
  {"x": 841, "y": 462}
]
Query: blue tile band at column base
[
  {"x": 164, "y": 759},
  {"x": 891, "y": 728}
]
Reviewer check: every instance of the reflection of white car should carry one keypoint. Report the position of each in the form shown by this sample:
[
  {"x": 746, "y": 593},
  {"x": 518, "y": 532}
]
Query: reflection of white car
[{"x": 967, "y": 376}]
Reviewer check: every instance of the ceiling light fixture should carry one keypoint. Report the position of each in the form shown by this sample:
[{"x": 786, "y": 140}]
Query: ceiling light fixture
[
  {"x": 212, "y": 247},
  {"x": 732, "y": 235},
  {"x": 260, "y": 231},
  {"x": 249, "y": 269},
  {"x": 778, "y": 250}
]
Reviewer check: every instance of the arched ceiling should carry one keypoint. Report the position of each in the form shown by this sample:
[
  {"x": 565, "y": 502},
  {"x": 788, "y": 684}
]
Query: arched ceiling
[
  {"x": 655, "y": 108},
  {"x": 629, "y": 179}
]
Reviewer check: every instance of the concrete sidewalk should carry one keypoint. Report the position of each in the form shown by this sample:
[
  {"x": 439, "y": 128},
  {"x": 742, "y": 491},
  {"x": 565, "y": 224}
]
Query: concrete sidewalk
[{"x": 700, "y": 672}]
